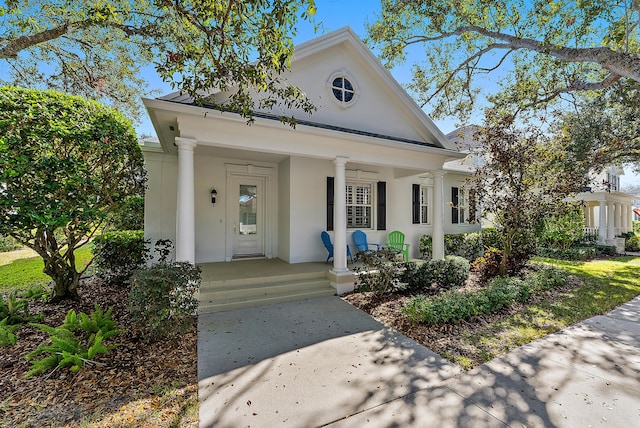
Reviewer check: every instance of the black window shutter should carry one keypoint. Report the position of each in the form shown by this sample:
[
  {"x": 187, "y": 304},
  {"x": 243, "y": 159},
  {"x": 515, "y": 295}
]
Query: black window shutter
[
  {"x": 472, "y": 206},
  {"x": 382, "y": 205},
  {"x": 329, "y": 203},
  {"x": 415, "y": 203},
  {"x": 454, "y": 209}
]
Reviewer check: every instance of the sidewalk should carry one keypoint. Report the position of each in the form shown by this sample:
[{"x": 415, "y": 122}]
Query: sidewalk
[
  {"x": 585, "y": 375},
  {"x": 322, "y": 362}
]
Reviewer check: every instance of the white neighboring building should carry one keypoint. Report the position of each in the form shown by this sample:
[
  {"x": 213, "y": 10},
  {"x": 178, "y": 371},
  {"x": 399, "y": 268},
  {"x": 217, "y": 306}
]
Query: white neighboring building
[
  {"x": 368, "y": 159},
  {"x": 608, "y": 212}
]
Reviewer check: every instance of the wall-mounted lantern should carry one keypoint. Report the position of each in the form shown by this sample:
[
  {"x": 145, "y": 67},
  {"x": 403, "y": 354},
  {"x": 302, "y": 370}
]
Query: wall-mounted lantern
[{"x": 214, "y": 195}]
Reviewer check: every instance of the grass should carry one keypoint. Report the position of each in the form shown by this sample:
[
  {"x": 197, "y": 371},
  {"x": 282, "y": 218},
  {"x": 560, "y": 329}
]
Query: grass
[
  {"x": 174, "y": 405},
  {"x": 22, "y": 269},
  {"x": 606, "y": 285}
]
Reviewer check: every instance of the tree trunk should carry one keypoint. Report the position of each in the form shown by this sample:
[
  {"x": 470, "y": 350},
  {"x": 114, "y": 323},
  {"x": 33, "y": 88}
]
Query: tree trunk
[
  {"x": 64, "y": 276},
  {"x": 506, "y": 253}
]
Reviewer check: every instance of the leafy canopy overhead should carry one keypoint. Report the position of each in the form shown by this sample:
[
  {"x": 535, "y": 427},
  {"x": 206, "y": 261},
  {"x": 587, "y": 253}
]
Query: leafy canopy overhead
[
  {"x": 96, "y": 48},
  {"x": 65, "y": 163},
  {"x": 539, "y": 51}
]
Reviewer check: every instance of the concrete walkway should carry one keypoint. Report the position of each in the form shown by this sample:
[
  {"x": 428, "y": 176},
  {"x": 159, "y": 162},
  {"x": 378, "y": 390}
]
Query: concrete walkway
[{"x": 322, "y": 362}]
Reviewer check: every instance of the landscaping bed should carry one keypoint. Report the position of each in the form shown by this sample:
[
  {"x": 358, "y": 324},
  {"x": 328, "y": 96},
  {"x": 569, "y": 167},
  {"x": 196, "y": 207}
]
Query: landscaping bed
[
  {"x": 476, "y": 340},
  {"x": 135, "y": 384}
]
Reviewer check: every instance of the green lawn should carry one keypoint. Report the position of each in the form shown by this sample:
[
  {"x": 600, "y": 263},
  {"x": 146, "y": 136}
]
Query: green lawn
[
  {"x": 23, "y": 268},
  {"x": 607, "y": 284}
]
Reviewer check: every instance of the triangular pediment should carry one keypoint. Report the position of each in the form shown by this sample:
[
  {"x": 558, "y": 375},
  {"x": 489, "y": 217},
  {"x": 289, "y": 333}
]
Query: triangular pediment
[
  {"x": 380, "y": 105},
  {"x": 376, "y": 105}
]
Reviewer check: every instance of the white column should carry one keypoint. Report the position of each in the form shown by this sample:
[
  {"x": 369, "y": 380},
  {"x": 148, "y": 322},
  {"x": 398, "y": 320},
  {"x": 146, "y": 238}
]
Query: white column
[
  {"x": 630, "y": 218},
  {"x": 602, "y": 223},
  {"x": 624, "y": 217},
  {"x": 185, "y": 216},
  {"x": 438, "y": 216},
  {"x": 587, "y": 215},
  {"x": 617, "y": 220},
  {"x": 611, "y": 215},
  {"x": 340, "y": 217}
]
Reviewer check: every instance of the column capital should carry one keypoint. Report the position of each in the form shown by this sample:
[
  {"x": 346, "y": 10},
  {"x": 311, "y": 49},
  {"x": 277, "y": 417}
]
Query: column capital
[
  {"x": 438, "y": 173},
  {"x": 186, "y": 143},
  {"x": 341, "y": 160}
]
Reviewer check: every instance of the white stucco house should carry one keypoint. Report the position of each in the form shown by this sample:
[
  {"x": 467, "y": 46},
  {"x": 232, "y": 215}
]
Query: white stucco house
[{"x": 369, "y": 158}]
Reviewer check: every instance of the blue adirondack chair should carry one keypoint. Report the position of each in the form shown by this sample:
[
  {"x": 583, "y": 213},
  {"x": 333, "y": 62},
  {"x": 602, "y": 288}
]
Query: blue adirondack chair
[
  {"x": 326, "y": 240},
  {"x": 360, "y": 239},
  {"x": 396, "y": 243}
]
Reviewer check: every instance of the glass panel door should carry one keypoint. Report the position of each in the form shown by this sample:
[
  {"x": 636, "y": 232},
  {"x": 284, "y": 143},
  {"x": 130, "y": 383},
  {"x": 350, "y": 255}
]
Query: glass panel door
[{"x": 248, "y": 210}]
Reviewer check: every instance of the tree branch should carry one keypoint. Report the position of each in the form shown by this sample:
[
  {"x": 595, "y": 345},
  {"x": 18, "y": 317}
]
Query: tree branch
[
  {"x": 12, "y": 48},
  {"x": 620, "y": 63}
]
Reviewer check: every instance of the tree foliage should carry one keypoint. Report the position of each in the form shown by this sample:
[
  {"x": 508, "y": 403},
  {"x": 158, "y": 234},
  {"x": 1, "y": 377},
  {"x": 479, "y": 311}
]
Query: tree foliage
[
  {"x": 96, "y": 49},
  {"x": 604, "y": 130},
  {"x": 65, "y": 163},
  {"x": 522, "y": 180},
  {"x": 538, "y": 50}
]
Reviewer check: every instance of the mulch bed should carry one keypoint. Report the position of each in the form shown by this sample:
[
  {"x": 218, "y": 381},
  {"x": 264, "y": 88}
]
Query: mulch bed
[
  {"x": 133, "y": 371},
  {"x": 442, "y": 338}
]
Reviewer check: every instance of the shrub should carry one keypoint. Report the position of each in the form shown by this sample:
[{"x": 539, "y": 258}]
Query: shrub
[
  {"x": 455, "y": 305},
  {"x": 488, "y": 265},
  {"x": 636, "y": 226},
  {"x": 162, "y": 299},
  {"x": 7, "y": 243},
  {"x": 606, "y": 250},
  {"x": 451, "y": 272},
  {"x": 560, "y": 232},
  {"x": 377, "y": 274},
  {"x": 491, "y": 238},
  {"x": 118, "y": 254},
  {"x": 574, "y": 253},
  {"x": 425, "y": 246},
  {"x": 467, "y": 245},
  {"x": 75, "y": 343},
  {"x": 546, "y": 278},
  {"x": 129, "y": 215},
  {"x": 450, "y": 306},
  {"x": 632, "y": 244}
]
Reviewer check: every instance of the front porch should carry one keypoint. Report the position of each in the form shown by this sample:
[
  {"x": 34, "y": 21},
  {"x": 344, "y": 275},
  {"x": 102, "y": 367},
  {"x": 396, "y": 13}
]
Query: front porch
[
  {"x": 249, "y": 283},
  {"x": 607, "y": 215}
]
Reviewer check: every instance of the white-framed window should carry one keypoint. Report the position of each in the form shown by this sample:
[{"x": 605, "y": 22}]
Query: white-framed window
[
  {"x": 359, "y": 205},
  {"x": 344, "y": 89},
  {"x": 464, "y": 208},
  {"x": 613, "y": 182},
  {"x": 426, "y": 196}
]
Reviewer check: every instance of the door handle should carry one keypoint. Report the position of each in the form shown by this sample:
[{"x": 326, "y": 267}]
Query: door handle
[{"x": 235, "y": 228}]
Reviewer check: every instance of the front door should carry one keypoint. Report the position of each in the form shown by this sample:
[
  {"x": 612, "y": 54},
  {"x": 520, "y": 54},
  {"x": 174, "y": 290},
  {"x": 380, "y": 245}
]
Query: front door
[{"x": 248, "y": 222}]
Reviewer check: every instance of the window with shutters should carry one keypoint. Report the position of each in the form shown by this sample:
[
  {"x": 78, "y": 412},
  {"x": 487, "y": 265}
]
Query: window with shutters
[
  {"x": 459, "y": 205},
  {"x": 359, "y": 205},
  {"x": 426, "y": 195}
]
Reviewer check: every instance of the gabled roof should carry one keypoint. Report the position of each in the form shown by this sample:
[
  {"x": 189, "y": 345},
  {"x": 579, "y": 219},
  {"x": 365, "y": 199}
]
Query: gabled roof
[
  {"x": 426, "y": 127},
  {"x": 347, "y": 35}
]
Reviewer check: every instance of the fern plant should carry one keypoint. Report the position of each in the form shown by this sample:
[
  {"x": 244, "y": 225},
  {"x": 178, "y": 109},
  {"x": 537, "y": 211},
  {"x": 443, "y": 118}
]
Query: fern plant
[
  {"x": 75, "y": 343},
  {"x": 7, "y": 336}
]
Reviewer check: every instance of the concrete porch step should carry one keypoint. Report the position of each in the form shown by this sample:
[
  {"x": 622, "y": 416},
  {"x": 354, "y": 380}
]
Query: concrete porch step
[{"x": 217, "y": 296}]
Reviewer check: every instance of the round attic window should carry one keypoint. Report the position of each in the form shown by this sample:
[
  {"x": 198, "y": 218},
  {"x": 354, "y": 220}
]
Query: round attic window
[{"x": 343, "y": 89}]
